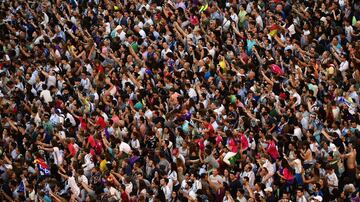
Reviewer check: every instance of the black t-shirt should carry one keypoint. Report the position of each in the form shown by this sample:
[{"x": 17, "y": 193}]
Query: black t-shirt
[
  {"x": 338, "y": 143},
  {"x": 277, "y": 88},
  {"x": 6, "y": 188},
  {"x": 234, "y": 186},
  {"x": 151, "y": 142}
]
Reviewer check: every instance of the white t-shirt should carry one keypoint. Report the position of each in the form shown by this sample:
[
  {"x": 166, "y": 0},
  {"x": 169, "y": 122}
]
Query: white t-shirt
[
  {"x": 148, "y": 22},
  {"x": 85, "y": 83},
  {"x": 298, "y": 99},
  {"x": 192, "y": 93},
  {"x": 297, "y": 166},
  {"x": 142, "y": 34},
  {"x": 167, "y": 192},
  {"x": 269, "y": 166},
  {"x": 348, "y": 30},
  {"x": 122, "y": 36},
  {"x": 135, "y": 143},
  {"x": 298, "y": 133},
  {"x": 58, "y": 156},
  {"x": 51, "y": 81},
  {"x": 216, "y": 179},
  {"x": 73, "y": 186},
  {"x": 344, "y": 66},
  {"x": 235, "y": 18},
  {"x": 71, "y": 119},
  {"x": 46, "y": 95},
  {"x": 333, "y": 180},
  {"x": 259, "y": 22},
  {"x": 83, "y": 179}
]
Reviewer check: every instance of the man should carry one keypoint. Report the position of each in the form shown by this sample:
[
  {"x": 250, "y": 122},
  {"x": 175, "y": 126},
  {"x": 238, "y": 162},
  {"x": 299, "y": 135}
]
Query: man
[
  {"x": 234, "y": 184},
  {"x": 215, "y": 180},
  {"x": 300, "y": 197},
  {"x": 248, "y": 172},
  {"x": 45, "y": 94},
  {"x": 164, "y": 162},
  {"x": 240, "y": 197},
  {"x": 332, "y": 179},
  {"x": 165, "y": 188},
  {"x": 350, "y": 157},
  {"x": 344, "y": 65},
  {"x": 210, "y": 159},
  {"x": 269, "y": 194}
]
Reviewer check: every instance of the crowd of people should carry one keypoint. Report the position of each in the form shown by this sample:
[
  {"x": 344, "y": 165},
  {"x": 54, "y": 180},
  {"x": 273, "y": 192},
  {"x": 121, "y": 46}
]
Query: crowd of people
[{"x": 180, "y": 100}]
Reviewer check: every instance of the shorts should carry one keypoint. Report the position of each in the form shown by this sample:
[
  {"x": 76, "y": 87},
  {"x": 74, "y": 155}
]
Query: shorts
[{"x": 299, "y": 180}]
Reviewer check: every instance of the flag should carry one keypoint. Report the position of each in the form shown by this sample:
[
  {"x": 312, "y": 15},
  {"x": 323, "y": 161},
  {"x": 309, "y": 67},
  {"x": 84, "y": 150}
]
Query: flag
[
  {"x": 204, "y": 8},
  {"x": 273, "y": 30},
  {"x": 21, "y": 187},
  {"x": 42, "y": 166},
  {"x": 345, "y": 101},
  {"x": 354, "y": 21},
  {"x": 234, "y": 159},
  {"x": 230, "y": 158}
]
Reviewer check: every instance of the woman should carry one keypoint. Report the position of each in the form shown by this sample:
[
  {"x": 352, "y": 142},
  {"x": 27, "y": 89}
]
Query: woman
[
  {"x": 307, "y": 155},
  {"x": 172, "y": 174},
  {"x": 142, "y": 188}
]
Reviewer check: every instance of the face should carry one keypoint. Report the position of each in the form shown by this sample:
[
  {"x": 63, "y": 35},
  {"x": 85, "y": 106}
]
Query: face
[{"x": 299, "y": 193}]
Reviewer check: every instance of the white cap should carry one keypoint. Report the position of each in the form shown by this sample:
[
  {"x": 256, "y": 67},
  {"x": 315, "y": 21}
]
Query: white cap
[
  {"x": 319, "y": 198},
  {"x": 268, "y": 189},
  {"x": 118, "y": 28}
]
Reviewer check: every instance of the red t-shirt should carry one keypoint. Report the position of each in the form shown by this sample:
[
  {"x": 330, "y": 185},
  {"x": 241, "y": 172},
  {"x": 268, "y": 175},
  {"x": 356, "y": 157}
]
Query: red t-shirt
[
  {"x": 83, "y": 124},
  {"x": 100, "y": 69},
  {"x": 101, "y": 122},
  {"x": 91, "y": 141},
  {"x": 233, "y": 145},
  {"x": 72, "y": 149},
  {"x": 124, "y": 197},
  {"x": 211, "y": 130},
  {"x": 287, "y": 174},
  {"x": 201, "y": 144},
  {"x": 272, "y": 150},
  {"x": 98, "y": 147},
  {"x": 244, "y": 142}
]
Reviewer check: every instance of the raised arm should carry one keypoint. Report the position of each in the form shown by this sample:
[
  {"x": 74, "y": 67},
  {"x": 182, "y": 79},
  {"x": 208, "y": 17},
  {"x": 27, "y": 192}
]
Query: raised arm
[
  {"x": 267, "y": 78},
  {"x": 278, "y": 40},
  {"x": 86, "y": 187},
  {"x": 131, "y": 77},
  {"x": 137, "y": 58}
]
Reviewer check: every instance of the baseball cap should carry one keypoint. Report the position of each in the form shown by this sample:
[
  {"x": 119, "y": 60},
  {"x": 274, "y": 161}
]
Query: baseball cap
[
  {"x": 319, "y": 198},
  {"x": 268, "y": 189}
]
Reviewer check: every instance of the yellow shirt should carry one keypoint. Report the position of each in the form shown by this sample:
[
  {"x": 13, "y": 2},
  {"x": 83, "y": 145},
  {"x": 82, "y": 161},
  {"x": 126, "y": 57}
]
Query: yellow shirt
[{"x": 103, "y": 167}]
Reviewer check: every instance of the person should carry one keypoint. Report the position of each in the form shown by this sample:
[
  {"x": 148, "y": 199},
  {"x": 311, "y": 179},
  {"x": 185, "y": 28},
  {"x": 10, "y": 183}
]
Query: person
[
  {"x": 350, "y": 171},
  {"x": 300, "y": 197},
  {"x": 179, "y": 100}
]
